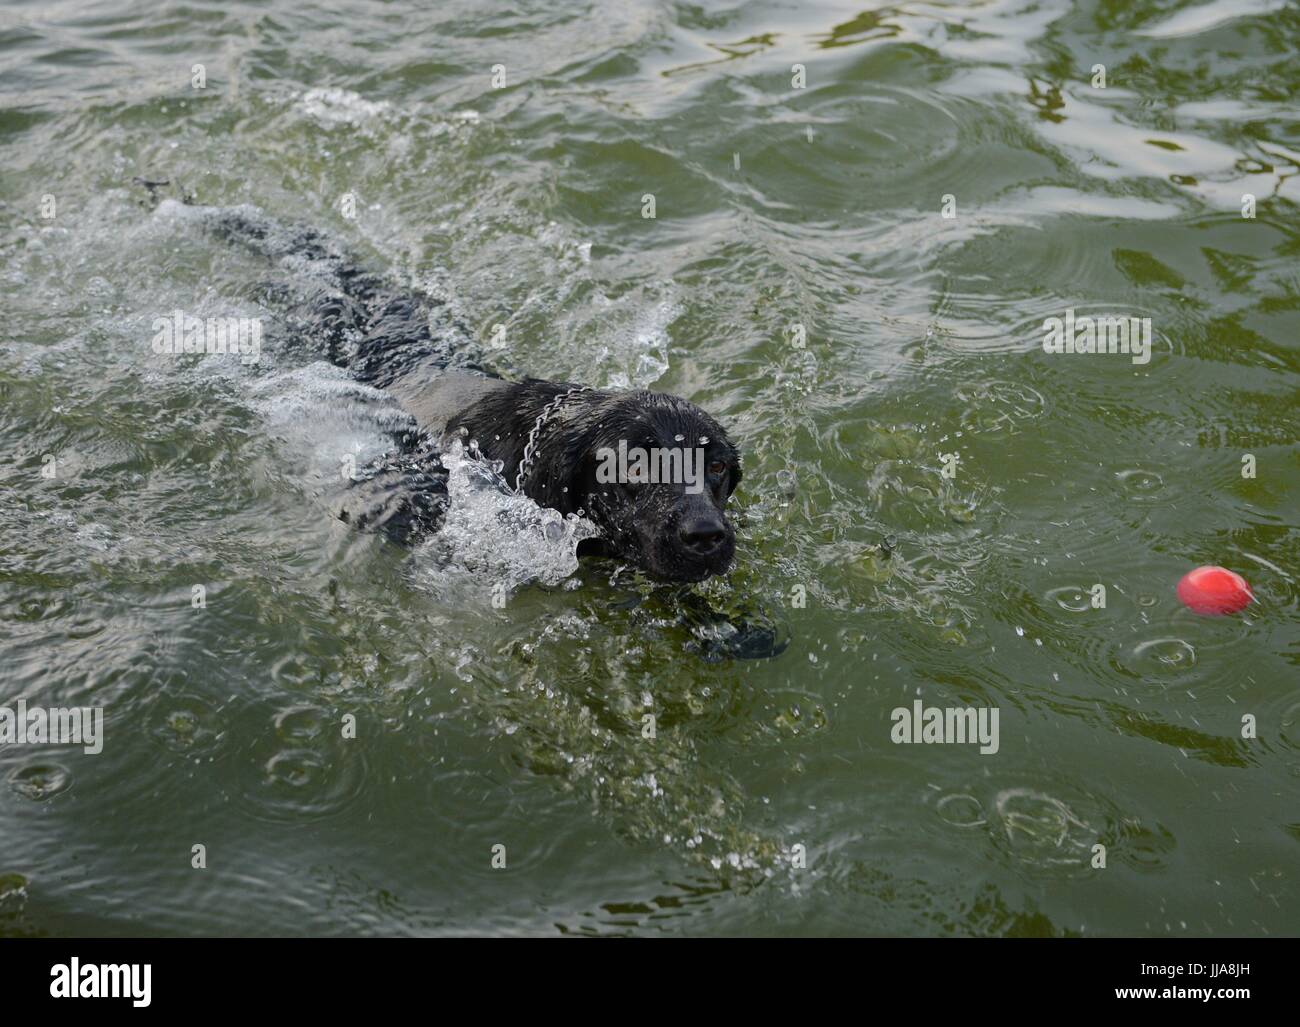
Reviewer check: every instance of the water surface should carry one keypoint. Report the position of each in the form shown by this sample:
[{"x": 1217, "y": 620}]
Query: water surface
[{"x": 782, "y": 198}]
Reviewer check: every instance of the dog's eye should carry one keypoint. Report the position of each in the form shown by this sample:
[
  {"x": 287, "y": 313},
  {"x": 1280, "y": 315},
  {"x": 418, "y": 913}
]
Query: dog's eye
[{"x": 718, "y": 467}]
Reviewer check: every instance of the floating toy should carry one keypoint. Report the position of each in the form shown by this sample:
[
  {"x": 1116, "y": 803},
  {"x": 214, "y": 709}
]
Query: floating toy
[{"x": 1214, "y": 591}]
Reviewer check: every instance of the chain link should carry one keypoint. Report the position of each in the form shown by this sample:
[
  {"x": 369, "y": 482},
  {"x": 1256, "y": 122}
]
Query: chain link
[{"x": 530, "y": 447}]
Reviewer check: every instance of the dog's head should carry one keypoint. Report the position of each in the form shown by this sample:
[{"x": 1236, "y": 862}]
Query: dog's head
[{"x": 654, "y": 472}]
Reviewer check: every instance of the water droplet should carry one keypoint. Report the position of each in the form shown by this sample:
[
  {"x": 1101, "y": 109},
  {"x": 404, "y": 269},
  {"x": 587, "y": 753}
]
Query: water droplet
[
  {"x": 39, "y": 781},
  {"x": 1072, "y": 598},
  {"x": 300, "y": 723},
  {"x": 1139, "y": 484},
  {"x": 1165, "y": 653},
  {"x": 960, "y": 810}
]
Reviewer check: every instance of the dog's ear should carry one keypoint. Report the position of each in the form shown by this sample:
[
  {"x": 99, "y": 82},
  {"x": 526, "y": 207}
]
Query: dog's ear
[
  {"x": 734, "y": 478},
  {"x": 564, "y": 470},
  {"x": 580, "y": 480},
  {"x": 555, "y": 476}
]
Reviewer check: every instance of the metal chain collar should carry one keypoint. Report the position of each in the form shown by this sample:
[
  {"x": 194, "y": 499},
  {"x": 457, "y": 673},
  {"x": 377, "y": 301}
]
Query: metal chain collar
[{"x": 530, "y": 447}]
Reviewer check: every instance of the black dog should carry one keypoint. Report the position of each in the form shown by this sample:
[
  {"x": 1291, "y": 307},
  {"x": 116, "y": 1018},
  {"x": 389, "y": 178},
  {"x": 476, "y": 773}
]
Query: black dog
[{"x": 551, "y": 437}]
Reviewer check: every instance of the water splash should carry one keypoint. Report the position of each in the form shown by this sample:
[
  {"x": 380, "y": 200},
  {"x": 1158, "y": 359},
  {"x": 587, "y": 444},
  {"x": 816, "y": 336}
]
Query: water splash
[{"x": 502, "y": 538}]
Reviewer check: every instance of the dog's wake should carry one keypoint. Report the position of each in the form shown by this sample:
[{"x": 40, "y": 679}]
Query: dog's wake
[{"x": 457, "y": 435}]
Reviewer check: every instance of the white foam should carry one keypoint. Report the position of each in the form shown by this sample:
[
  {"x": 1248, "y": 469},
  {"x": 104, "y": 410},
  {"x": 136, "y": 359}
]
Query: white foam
[
  {"x": 504, "y": 540},
  {"x": 340, "y": 107},
  {"x": 322, "y": 417},
  {"x": 644, "y": 346},
  {"x": 1195, "y": 20}
]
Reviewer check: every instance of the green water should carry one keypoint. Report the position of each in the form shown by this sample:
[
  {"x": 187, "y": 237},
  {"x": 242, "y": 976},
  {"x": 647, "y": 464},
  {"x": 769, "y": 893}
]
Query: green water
[{"x": 521, "y": 726}]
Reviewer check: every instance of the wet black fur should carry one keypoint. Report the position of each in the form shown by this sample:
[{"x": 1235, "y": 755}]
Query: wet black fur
[
  {"x": 414, "y": 348},
  {"x": 639, "y": 522}
]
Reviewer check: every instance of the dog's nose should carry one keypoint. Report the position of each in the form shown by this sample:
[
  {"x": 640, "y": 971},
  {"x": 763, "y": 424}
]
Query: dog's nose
[{"x": 703, "y": 534}]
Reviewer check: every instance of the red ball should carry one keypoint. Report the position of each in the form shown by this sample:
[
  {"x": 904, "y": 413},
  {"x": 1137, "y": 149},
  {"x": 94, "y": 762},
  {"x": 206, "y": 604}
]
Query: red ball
[{"x": 1214, "y": 591}]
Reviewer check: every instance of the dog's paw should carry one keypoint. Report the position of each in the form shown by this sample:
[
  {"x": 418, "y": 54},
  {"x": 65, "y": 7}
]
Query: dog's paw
[
  {"x": 746, "y": 635},
  {"x": 405, "y": 499}
]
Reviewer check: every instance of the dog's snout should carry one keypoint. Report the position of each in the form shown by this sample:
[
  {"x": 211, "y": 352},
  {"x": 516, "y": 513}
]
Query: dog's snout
[{"x": 703, "y": 534}]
